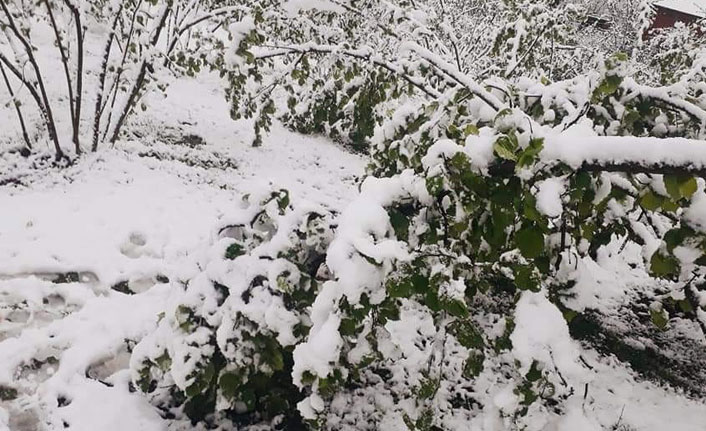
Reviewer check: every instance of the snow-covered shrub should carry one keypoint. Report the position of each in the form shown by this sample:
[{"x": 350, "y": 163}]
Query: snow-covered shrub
[
  {"x": 453, "y": 281},
  {"x": 137, "y": 42},
  {"x": 454, "y": 273},
  {"x": 225, "y": 345},
  {"x": 677, "y": 54},
  {"x": 337, "y": 71}
]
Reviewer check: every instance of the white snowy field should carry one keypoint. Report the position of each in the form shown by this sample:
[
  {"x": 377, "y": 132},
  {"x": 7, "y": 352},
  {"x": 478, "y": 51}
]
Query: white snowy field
[{"x": 145, "y": 211}]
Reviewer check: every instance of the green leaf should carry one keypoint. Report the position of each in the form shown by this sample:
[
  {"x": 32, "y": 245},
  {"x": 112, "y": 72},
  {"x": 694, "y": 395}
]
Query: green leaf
[
  {"x": 234, "y": 250},
  {"x": 420, "y": 283},
  {"x": 369, "y": 259},
  {"x": 400, "y": 223},
  {"x": 505, "y": 148},
  {"x": 474, "y": 364},
  {"x": 583, "y": 180},
  {"x": 529, "y": 156},
  {"x": 460, "y": 162},
  {"x": 569, "y": 315},
  {"x": 275, "y": 359},
  {"x": 530, "y": 241},
  {"x": 659, "y": 318},
  {"x": 701, "y": 261},
  {"x": 688, "y": 187},
  {"x": 184, "y": 317},
  {"x": 471, "y": 129},
  {"x": 467, "y": 334},
  {"x": 431, "y": 300},
  {"x": 201, "y": 382},
  {"x": 671, "y": 183},
  {"x": 530, "y": 209},
  {"x": 663, "y": 266},
  {"x": 389, "y": 310},
  {"x": 425, "y": 420},
  {"x": 7, "y": 393},
  {"x": 670, "y": 205},
  {"x": 534, "y": 373},
  {"x": 525, "y": 279},
  {"x": 620, "y": 57},
  {"x": 675, "y": 237},
  {"x": 428, "y": 388},
  {"x": 607, "y": 87},
  {"x": 456, "y": 308},
  {"x": 163, "y": 361},
  {"x": 680, "y": 186},
  {"x": 435, "y": 185},
  {"x": 400, "y": 289},
  {"x": 283, "y": 199},
  {"x": 347, "y": 327},
  {"x": 229, "y": 384},
  {"x": 651, "y": 201},
  {"x": 503, "y": 113},
  {"x": 452, "y": 132},
  {"x": 685, "y": 306},
  {"x": 248, "y": 397},
  {"x": 504, "y": 342}
]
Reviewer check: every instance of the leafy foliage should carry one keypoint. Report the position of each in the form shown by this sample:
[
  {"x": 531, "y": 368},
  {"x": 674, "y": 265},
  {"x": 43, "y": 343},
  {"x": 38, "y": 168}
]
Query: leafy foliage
[
  {"x": 227, "y": 345},
  {"x": 469, "y": 227}
]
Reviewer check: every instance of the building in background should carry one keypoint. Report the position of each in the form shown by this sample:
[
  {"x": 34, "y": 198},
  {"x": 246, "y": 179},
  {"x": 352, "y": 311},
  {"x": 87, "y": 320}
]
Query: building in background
[{"x": 669, "y": 12}]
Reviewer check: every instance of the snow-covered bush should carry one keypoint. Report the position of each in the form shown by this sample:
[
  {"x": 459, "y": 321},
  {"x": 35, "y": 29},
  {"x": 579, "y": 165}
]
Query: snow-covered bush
[
  {"x": 137, "y": 41},
  {"x": 345, "y": 64},
  {"x": 225, "y": 344},
  {"x": 677, "y": 55},
  {"x": 453, "y": 275},
  {"x": 342, "y": 70}
]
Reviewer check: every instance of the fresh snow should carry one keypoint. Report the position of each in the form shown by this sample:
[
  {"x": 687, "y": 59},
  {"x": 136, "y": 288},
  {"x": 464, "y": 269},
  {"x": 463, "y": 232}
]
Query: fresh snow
[
  {"x": 135, "y": 213},
  {"x": 691, "y": 7},
  {"x": 549, "y": 196},
  {"x": 147, "y": 209}
]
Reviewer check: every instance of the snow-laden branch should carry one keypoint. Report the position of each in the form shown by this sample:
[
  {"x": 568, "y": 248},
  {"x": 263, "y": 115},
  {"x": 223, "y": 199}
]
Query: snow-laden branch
[
  {"x": 137, "y": 86},
  {"x": 362, "y": 54},
  {"x": 455, "y": 75},
  {"x": 207, "y": 16},
  {"x": 627, "y": 153},
  {"x": 663, "y": 95},
  {"x": 630, "y": 154},
  {"x": 183, "y": 28}
]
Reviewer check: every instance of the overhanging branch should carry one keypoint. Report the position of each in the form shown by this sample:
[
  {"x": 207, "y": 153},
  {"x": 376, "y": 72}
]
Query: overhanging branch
[{"x": 366, "y": 55}]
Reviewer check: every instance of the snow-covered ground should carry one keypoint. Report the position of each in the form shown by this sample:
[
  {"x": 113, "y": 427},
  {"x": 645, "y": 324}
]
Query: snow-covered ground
[
  {"x": 74, "y": 240},
  {"x": 139, "y": 213}
]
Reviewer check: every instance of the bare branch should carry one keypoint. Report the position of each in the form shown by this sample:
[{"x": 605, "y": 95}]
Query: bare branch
[
  {"x": 51, "y": 124},
  {"x": 15, "y": 102}
]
